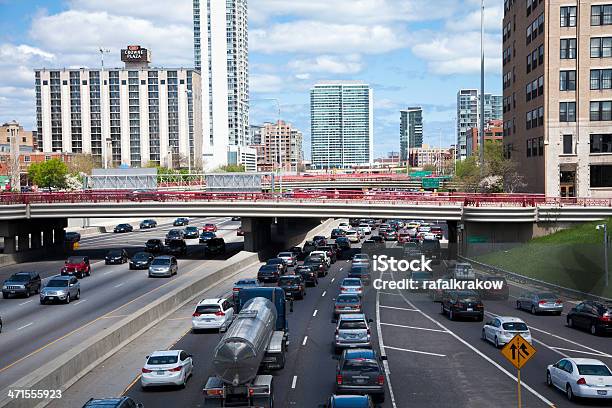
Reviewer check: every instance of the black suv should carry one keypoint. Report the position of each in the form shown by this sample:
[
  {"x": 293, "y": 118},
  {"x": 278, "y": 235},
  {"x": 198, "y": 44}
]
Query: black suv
[
  {"x": 462, "y": 303},
  {"x": 116, "y": 256},
  {"x": 317, "y": 263},
  {"x": 214, "y": 246},
  {"x": 122, "y": 402},
  {"x": 123, "y": 228},
  {"x": 360, "y": 371},
  {"x": 174, "y": 234},
  {"x": 154, "y": 246},
  {"x": 177, "y": 247},
  {"x": 308, "y": 273},
  {"x": 293, "y": 285},
  {"x": 593, "y": 316},
  {"x": 181, "y": 222},
  {"x": 21, "y": 283},
  {"x": 141, "y": 260},
  {"x": 191, "y": 232}
]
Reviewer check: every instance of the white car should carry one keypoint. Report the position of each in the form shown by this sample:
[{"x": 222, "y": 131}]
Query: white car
[
  {"x": 212, "y": 314},
  {"x": 353, "y": 236},
  {"x": 351, "y": 286},
  {"x": 581, "y": 377},
  {"x": 325, "y": 256},
  {"x": 168, "y": 367},
  {"x": 288, "y": 257},
  {"x": 344, "y": 226},
  {"x": 501, "y": 329},
  {"x": 367, "y": 230},
  {"x": 361, "y": 259}
]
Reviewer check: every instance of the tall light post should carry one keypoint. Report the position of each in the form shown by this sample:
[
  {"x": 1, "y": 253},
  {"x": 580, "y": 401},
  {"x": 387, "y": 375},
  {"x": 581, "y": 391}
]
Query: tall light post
[
  {"x": 605, "y": 243},
  {"x": 188, "y": 93},
  {"x": 15, "y": 167},
  {"x": 482, "y": 89}
]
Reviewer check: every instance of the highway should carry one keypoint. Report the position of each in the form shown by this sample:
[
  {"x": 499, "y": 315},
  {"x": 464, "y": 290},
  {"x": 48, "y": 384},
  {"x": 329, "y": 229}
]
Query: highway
[
  {"x": 432, "y": 361},
  {"x": 33, "y": 334}
]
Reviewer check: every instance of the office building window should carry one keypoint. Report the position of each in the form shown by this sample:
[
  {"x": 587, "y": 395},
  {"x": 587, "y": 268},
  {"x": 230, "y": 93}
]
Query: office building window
[
  {"x": 601, "y": 111},
  {"x": 567, "y": 112},
  {"x": 568, "y": 144},
  {"x": 567, "y": 80},
  {"x": 601, "y": 176},
  {"x": 528, "y": 147},
  {"x": 601, "y": 79},
  {"x": 601, "y": 15},
  {"x": 568, "y": 48},
  {"x": 601, "y": 47},
  {"x": 568, "y": 16},
  {"x": 601, "y": 143}
]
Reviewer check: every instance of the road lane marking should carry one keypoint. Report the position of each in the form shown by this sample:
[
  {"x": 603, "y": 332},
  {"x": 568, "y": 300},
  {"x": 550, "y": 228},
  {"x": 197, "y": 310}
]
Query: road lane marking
[
  {"x": 399, "y": 308},
  {"x": 341, "y": 268},
  {"x": 119, "y": 285},
  {"x": 315, "y": 312},
  {"x": 27, "y": 325},
  {"x": 415, "y": 351},
  {"x": 388, "y": 293},
  {"x": 293, "y": 382},
  {"x": 582, "y": 351},
  {"x": 414, "y": 327},
  {"x": 333, "y": 279},
  {"x": 305, "y": 340},
  {"x": 31, "y": 300},
  {"x": 114, "y": 316},
  {"x": 381, "y": 345},
  {"x": 180, "y": 318},
  {"x": 324, "y": 293}
]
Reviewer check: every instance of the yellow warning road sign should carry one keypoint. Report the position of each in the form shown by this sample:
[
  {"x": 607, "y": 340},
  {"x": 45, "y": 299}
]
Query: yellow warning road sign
[{"x": 518, "y": 351}]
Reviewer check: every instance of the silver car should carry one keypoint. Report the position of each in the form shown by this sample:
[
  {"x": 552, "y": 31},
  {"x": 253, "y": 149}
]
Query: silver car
[
  {"x": 540, "y": 302},
  {"x": 164, "y": 265},
  {"x": 61, "y": 288},
  {"x": 352, "y": 331}
]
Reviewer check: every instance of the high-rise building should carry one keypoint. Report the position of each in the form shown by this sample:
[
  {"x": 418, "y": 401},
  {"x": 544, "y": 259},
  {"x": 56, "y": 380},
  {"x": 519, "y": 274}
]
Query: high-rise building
[
  {"x": 493, "y": 132},
  {"x": 411, "y": 130},
  {"x": 558, "y": 95},
  {"x": 254, "y": 135},
  {"x": 280, "y": 144},
  {"x": 131, "y": 116},
  {"x": 468, "y": 114},
  {"x": 342, "y": 132},
  {"x": 221, "y": 48}
]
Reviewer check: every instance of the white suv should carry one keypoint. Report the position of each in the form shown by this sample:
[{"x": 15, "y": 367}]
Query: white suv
[
  {"x": 501, "y": 329},
  {"x": 212, "y": 314},
  {"x": 325, "y": 256}
]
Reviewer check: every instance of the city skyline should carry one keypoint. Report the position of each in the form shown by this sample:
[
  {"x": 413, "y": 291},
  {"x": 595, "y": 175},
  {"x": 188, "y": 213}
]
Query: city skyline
[{"x": 284, "y": 69}]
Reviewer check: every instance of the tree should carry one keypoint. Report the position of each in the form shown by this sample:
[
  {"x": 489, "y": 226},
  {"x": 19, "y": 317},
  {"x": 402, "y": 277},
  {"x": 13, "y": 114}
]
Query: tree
[
  {"x": 49, "y": 174},
  {"x": 231, "y": 168},
  {"x": 430, "y": 167},
  {"x": 83, "y": 163},
  {"x": 468, "y": 174}
]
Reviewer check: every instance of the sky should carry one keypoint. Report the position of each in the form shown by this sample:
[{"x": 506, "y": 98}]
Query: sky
[{"x": 411, "y": 52}]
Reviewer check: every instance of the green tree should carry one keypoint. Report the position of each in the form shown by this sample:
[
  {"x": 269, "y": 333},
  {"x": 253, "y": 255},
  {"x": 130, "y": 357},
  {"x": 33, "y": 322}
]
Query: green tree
[
  {"x": 467, "y": 174},
  {"x": 49, "y": 174},
  {"x": 231, "y": 168},
  {"x": 430, "y": 167}
]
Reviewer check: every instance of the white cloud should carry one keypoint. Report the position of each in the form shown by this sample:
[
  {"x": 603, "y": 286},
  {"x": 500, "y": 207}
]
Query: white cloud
[
  {"x": 266, "y": 83},
  {"x": 302, "y": 77},
  {"x": 319, "y": 37},
  {"x": 177, "y": 11},
  {"x": 349, "y": 64},
  {"x": 493, "y": 16}
]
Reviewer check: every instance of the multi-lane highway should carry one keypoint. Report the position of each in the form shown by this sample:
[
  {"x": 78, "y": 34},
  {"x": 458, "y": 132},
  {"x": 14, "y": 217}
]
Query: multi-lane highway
[{"x": 33, "y": 334}]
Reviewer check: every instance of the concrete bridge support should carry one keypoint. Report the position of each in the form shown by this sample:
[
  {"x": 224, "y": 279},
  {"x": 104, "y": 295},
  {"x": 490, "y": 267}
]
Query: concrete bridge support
[{"x": 21, "y": 236}]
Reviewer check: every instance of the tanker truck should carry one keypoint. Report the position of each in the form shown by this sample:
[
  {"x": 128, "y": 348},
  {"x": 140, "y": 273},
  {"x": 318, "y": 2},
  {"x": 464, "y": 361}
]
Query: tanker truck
[{"x": 256, "y": 341}]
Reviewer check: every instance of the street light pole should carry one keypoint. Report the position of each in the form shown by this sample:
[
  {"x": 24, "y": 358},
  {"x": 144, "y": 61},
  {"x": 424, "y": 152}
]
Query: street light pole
[
  {"x": 605, "y": 242},
  {"x": 482, "y": 89}
]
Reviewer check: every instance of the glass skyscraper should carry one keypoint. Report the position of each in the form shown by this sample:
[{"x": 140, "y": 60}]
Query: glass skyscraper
[
  {"x": 411, "y": 130},
  {"x": 468, "y": 114}
]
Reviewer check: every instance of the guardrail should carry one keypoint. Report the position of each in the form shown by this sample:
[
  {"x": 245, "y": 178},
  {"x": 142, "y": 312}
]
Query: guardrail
[{"x": 568, "y": 292}]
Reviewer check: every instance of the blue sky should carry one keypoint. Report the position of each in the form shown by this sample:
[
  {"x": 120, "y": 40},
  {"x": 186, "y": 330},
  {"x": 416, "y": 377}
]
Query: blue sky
[{"x": 410, "y": 52}]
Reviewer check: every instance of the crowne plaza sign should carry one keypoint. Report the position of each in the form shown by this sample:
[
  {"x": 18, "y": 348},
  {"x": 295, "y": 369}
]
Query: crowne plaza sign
[{"x": 135, "y": 53}]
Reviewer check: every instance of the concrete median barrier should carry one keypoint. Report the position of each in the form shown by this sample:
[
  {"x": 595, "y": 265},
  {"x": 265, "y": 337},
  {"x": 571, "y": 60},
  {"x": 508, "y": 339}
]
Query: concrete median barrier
[{"x": 65, "y": 370}]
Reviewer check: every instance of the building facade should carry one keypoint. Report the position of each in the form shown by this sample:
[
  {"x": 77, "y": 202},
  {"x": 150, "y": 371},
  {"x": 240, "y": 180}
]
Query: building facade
[
  {"x": 411, "y": 130},
  {"x": 280, "y": 147},
  {"x": 129, "y": 116},
  {"x": 558, "y": 95},
  {"x": 27, "y": 138},
  {"x": 494, "y": 131},
  {"x": 426, "y": 155},
  {"x": 221, "y": 51},
  {"x": 468, "y": 114},
  {"x": 254, "y": 135},
  {"x": 342, "y": 132},
  {"x": 242, "y": 155}
]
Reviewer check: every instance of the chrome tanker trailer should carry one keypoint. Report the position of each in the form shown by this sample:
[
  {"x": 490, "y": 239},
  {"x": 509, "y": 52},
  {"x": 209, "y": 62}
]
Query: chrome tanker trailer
[{"x": 252, "y": 343}]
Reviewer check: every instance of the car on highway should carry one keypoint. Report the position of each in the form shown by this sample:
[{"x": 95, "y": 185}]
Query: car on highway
[
  {"x": 60, "y": 288},
  {"x": 215, "y": 246},
  {"x": 206, "y": 235},
  {"x": 235, "y": 218},
  {"x": 332, "y": 251},
  {"x": 72, "y": 236},
  {"x": 282, "y": 264},
  {"x": 239, "y": 232},
  {"x": 174, "y": 234},
  {"x": 581, "y": 378},
  {"x": 423, "y": 228},
  {"x": 269, "y": 273},
  {"x": 347, "y": 303},
  {"x": 123, "y": 228},
  {"x": 298, "y": 253},
  {"x": 177, "y": 247},
  {"x": 389, "y": 235},
  {"x": 502, "y": 291},
  {"x": 348, "y": 401},
  {"x": 323, "y": 254},
  {"x": 319, "y": 240},
  {"x": 343, "y": 243},
  {"x": 412, "y": 250},
  {"x": 154, "y": 246},
  {"x": 21, "y": 284},
  {"x": 242, "y": 284},
  {"x": 351, "y": 286},
  {"x": 360, "y": 259},
  {"x": 352, "y": 331},
  {"x": 596, "y": 317},
  {"x": 360, "y": 271},
  {"x": 462, "y": 303},
  {"x": 403, "y": 236},
  {"x": 308, "y": 273},
  {"x": 209, "y": 227},
  {"x": 181, "y": 222},
  {"x": 353, "y": 236},
  {"x": 337, "y": 233},
  {"x": 345, "y": 226},
  {"x": 432, "y": 250},
  {"x": 191, "y": 232},
  {"x": 0, "y": 324},
  {"x": 501, "y": 329},
  {"x": 540, "y": 302},
  {"x": 148, "y": 224},
  {"x": 78, "y": 266},
  {"x": 116, "y": 256},
  {"x": 212, "y": 314},
  {"x": 293, "y": 286},
  {"x": 288, "y": 257},
  {"x": 163, "y": 265},
  {"x": 141, "y": 260},
  {"x": 437, "y": 231},
  {"x": 167, "y": 367},
  {"x": 365, "y": 228},
  {"x": 360, "y": 371},
  {"x": 317, "y": 263},
  {"x": 120, "y": 402},
  {"x": 420, "y": 280}
]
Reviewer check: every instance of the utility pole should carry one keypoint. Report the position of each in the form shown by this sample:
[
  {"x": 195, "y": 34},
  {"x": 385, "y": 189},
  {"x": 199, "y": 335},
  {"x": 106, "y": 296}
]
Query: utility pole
[
  {"x": 482, "y": 89},
  {"x": 103, "y": 51},
  {"x": 605, "y": 243}
]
